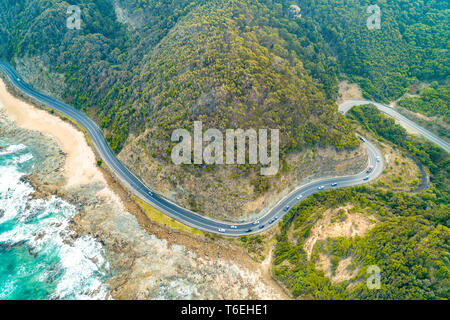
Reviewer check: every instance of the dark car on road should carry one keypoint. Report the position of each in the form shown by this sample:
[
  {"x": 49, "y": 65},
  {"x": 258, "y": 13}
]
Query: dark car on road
[{"x": 273, "y": 219}]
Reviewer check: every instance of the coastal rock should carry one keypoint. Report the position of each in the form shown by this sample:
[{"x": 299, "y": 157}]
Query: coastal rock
[{"x": 11, "y": 244}]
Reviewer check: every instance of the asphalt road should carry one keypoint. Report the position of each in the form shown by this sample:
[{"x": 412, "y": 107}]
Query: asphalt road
[
  {"x": 171, "y": 209},
  {"x": 402, "y": 120}
]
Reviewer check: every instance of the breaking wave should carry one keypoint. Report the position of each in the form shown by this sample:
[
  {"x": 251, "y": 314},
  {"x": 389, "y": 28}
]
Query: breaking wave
[{"x": 39, "y": 257}]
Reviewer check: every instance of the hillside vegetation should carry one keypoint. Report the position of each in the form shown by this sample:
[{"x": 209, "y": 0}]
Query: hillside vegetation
[
  {"x": 228, "y": 63},
  {"x": 409, "y": 242}
]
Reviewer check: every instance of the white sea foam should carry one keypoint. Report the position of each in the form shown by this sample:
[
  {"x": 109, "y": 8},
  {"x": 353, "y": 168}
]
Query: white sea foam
[
  {"x": 12, "y": 149},
  {"x": 7, "y": 288},
  {"x": 82, "y": 262},
  {"x": 21, "y": 159},
  {"x": 14, "y": 194},
  {"x": 44, "y": 226}
]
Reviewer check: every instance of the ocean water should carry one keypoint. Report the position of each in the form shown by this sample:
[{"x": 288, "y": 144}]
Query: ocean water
[{"x": 39, "y": 259}]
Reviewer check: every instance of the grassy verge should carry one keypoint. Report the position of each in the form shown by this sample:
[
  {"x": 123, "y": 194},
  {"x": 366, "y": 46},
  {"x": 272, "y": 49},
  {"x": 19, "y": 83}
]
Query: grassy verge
[{"x": 161, "y": 218}]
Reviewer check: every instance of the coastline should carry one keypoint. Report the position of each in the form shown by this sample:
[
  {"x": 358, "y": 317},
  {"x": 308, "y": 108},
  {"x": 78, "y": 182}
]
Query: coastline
[
  {"x": 149, "y": 261},
  {"x": 80, "y": 167}
]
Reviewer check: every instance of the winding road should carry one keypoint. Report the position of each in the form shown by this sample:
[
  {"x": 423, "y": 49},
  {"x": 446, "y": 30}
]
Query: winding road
[
  {"x": 402, "y": 120},
  {"x": 187, "y": 217}
]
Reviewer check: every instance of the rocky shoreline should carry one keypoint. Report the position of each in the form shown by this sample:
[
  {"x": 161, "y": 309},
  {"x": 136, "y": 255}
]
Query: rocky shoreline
[{"x": 147, "y": 260}]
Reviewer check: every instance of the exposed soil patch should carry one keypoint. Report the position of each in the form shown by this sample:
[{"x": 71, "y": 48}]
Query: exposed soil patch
[
  {"x": 349, "y": 91},
  {"x": 338, "y": 223}
]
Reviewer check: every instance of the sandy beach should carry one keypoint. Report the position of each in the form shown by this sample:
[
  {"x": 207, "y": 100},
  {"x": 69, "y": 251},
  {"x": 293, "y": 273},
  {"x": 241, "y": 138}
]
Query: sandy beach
[{"x": 80, "y": 167}]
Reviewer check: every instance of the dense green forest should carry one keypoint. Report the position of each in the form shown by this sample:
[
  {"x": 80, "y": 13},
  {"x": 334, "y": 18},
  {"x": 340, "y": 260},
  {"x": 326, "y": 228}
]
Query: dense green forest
[
  {"x": 413, "y": 42},
  {"x": 410, "y": 242}
]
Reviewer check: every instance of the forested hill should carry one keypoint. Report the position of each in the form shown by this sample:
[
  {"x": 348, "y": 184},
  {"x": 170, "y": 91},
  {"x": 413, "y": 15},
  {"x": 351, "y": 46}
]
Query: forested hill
[
  {"x": 150, "y": 64},
  {"x": 228, "y": 64}
]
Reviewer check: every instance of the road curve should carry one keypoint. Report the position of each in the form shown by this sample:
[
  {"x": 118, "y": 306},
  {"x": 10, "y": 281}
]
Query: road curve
[
  {"x": 402, "y": 120},
  {"x": 171, "y": 209}
]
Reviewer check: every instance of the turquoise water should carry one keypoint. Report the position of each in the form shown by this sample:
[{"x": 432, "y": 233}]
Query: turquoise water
[{"x": 38, "y": 257}]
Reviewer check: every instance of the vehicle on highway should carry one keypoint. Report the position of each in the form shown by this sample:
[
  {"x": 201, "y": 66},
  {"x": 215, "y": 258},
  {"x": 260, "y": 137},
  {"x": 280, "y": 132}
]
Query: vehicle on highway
[
  {"x": 362, "y": 139},
  {"x": 334, "y": 184},
  {"x": 256, "y": 222},
  {"x": 321, "y": 188},
  {"x": 222, "y": 230},
  {"x": 366, "y": 178},
  {"x": 233, "y": 227},
  {"x": 286, "y": 209},
  {"x": 273, "y": 219},
  {"x": 378, "y": 159},
  {"x": 249, "y": 230},
  {"x": 369, "y": 169},
  {"x": 299, "y": 197},
  {"x": 261, "y": 226}
]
